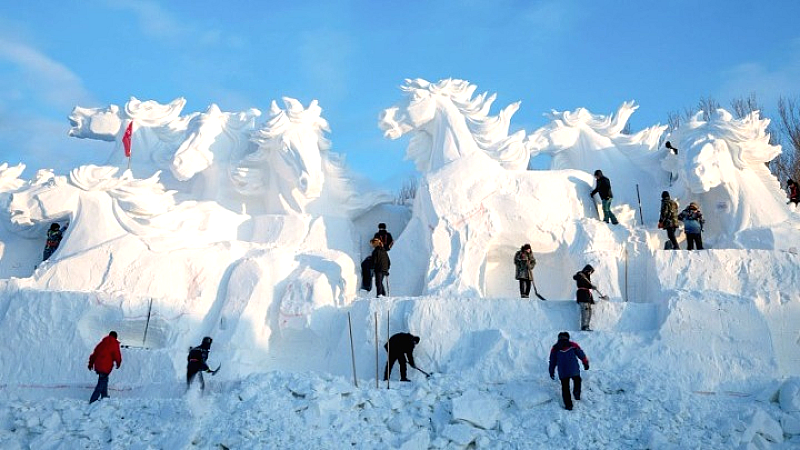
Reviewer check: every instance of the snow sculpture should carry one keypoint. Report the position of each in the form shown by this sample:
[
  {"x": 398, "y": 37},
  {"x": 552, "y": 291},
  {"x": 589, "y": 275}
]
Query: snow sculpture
[
  {"x": 721, "y": 165},
  {"x": 9, "y": 177},
  {"x": 102, "y": 207},
  {"x": 428, "y": 108},
  {"x": 158, "y": 131},
  {"x": 468, "y": 211},
  {"x": 199, "y": 147},
  {"x": 293, "y": 170},
  {"x": 585, "y": 141}
]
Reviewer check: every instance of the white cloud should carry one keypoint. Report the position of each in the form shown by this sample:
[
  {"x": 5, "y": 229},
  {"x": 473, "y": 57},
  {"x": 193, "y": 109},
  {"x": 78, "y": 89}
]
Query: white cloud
[
  {"x": 154, "y": 21},
  {"x": 767, "y": 81},
  {"x": 40, "y": 77}
]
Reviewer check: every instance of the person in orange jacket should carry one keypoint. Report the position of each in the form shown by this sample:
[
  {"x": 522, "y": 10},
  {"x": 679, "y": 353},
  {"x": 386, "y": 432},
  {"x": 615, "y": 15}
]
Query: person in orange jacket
[{"x": 102, "y": 361}]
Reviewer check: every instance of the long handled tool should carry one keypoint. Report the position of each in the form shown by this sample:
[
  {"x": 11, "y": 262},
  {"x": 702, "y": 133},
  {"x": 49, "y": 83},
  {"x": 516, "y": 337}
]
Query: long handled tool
[
  {"x": 536, "y": 291},
  {"x": 604, "y": 297},
  {"x": 427, "y": 375}
]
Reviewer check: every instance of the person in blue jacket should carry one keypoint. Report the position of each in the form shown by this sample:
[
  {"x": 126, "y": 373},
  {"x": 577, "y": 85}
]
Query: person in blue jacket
[
  {"x": 565, "y": 355},
  {"x": 693, "y": 222}
]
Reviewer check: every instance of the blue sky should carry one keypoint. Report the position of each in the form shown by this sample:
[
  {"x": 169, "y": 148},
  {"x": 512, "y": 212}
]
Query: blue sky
[{"x": 353, "y": 55}]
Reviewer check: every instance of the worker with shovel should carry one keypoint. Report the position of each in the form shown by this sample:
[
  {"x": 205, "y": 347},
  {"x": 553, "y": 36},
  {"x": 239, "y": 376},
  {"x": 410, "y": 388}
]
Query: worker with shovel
[
  {"x": 584, "y": 295},
  {"x": 400, "y": 347}
]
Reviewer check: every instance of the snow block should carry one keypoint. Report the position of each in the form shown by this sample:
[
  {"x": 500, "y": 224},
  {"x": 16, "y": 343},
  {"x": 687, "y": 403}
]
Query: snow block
[
  {"x": 460, "y": 433},
  {"x": 526, "y": 395},
  {"x": 762, "y": 426},
  {"x": 791, "y": 424},
  {"x": 476, "y": 408},
  {"x": 789, "y": 395}
]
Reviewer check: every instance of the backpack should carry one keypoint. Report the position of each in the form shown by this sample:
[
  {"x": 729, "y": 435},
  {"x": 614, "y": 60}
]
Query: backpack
[{"x": 195, "y": 353}]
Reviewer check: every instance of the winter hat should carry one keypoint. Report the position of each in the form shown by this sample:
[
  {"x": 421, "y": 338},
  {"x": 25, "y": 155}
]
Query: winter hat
[
  {"x": 206, "y": 342},
  {"x": 113, "y": 334},
  {"x": 665, "y": 194},
  {"x": 563, "y": 335},
  {"x": 526, "y": 247},
  {"x": 693, "y": 205},
  {"x": 598, "y": 173},
  {"x": 588, "y": 268},
  {"x": 54, "y": 226},
  {"x": 381, "y": 226}
]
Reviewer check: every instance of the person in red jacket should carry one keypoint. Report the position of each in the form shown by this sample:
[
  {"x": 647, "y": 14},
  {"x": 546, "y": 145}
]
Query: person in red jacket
[{"x": 102, "y": 361}]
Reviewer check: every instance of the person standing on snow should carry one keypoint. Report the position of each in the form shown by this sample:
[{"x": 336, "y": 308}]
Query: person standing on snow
[
  {"x": 693, "y": 221},
  {"x": 384, "y": 236},
  {"x": 54, "y": 236},
  {"x": 197, "y": 363},
  {"x": 380, "y": 264},
  {"x": 668, "y": 219},
  {"x": 793, "y": 191},
  {"x": 583, "y": 295},
  {"x": 102, "y": 361},
  {"x": 400, "y": 347},
  {"x": 524, "y": 263},
  {"x": 565, "y": 355},
  {"x": 603, "y": 187}
]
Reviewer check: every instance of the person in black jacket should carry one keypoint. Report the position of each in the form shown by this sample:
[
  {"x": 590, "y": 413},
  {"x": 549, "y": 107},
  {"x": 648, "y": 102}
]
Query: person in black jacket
[
  {"x": 54, "y": 236},
  {"x": 384, "y": 236},
  {"x": 196, "y": 362},
  {"x": 668, "y": 219},
  {"x": 381, "y": 264},
  {"x": 400, "y": 347},
  {"x": 584, "y": 297},
  {"x": 603, "y": 188}
]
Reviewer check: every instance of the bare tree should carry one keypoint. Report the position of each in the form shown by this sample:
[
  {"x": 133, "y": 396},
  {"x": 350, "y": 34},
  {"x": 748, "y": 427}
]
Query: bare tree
[
  {"x": 743, "y": 106},
  {"x": 674, "y": 120},
  {"x": 407, "y": 192},
  {"x": 707, "y": 105},
  {"x": 787, "y": 165}
]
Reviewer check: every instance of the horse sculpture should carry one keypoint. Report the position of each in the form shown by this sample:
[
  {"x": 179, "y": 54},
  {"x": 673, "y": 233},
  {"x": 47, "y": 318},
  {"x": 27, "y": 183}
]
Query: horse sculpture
[
  {"x": 201, "y": 147},
  {"x": 438, "y": 140},
  {"x": 467, "y": 212},
  {"x": 102, "y": 207},
  {"x": 294, "y": 171},
  {"x": 721, "y": 166},
  {"x": 585, "y": 141}
]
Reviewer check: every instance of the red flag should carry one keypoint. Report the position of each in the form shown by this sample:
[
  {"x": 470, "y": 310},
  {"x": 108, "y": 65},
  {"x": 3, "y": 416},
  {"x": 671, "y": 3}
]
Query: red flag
[{"x": 126, "y": 140}]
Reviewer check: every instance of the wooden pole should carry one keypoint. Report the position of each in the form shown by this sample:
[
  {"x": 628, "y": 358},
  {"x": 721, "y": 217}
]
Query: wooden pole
[
  {"x": 352, "y": 350},
  {"x": 641, "y": 216},
  {"x": 388, "y": 349},
  {"x": 147, "y": 324},
  {"x": 626, "y": 272}
]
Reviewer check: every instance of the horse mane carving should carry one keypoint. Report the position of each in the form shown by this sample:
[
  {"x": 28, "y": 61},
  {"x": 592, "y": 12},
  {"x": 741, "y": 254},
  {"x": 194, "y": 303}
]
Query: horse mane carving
[
  {"x": 478, "y": 130},
  {"x": 721, "y": 165},
  {"x": 294, "y": 169}
]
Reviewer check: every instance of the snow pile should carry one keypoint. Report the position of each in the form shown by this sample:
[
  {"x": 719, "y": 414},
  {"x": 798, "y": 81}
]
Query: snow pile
[{"x": 253, "y": 233}]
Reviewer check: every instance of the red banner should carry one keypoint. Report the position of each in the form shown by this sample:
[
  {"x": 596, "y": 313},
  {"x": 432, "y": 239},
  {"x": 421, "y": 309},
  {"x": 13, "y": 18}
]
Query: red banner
[{"x": 126, "y": 140}]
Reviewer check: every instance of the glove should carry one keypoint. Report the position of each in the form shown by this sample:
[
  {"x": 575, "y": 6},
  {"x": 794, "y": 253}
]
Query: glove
[
  {"x": 91, "y": 366},
  {"x": 586, "y": 366},
  {"x": 552, "y": 377}
]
